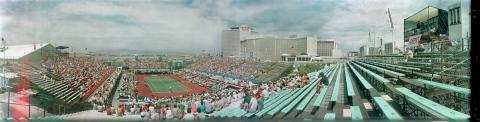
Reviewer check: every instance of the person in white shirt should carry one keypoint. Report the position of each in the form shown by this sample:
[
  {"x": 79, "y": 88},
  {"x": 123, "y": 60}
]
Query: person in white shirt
[
  {"x": 132, "y": 110},
  {"x": 265, "y": 86},
  {"x": 201, "y": 116},
  {"x": 154, "y": 115},
  {"x": 265, "y": 93},
  {"x": 253, "y": 104},
  {"x": 408, "y": 54},
  {"x": 189, "y": 115},
  {"x": 169, "y": 114}
]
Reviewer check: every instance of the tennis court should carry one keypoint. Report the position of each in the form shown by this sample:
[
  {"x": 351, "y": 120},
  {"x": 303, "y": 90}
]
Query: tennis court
[{"x": 164, "y": 84}]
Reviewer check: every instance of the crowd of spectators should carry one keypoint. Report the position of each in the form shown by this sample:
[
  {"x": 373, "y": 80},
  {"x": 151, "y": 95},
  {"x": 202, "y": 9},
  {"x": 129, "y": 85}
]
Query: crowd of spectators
[
  {"x": 254, "y": 98},
  {"x": 107, "y": 87},
  {"x": 127, "y": 86},
  {"x": 80, "y": 74},
  {"x": 194, "y": 107},
  {"x": 201, "y": 79},
  {"x": 230, "y": 66},
  {"x": 146, "y": 63},
  {"x": 199, "y": 106}
]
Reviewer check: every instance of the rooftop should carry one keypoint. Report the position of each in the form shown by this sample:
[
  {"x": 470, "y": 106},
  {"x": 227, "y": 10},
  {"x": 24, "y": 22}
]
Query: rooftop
[{"x": 18, "y": 51}]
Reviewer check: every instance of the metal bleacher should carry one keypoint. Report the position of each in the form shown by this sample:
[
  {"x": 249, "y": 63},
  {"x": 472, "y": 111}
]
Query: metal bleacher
[
  {"x": 376, "y": 76},
  {"x": 447, "y": 87},
  {"x": 275, "y": 104},
  {"x": 356, "y": 113},
  {"x": 348, "y": 80},
  {"x": 329, "y": 117},
  {"x": 385, "y": 71},
  {"x": 334, "y": 98},
  {"x": 388, "y": 111},
  {"x": 362, "y": 80},
  {"x": 323, "y": 92},
  {"x": 395, "y": 102},
  {"x": 301, "y": 107},
  {"x": 295, "y": 100},
  {"x": 396, "y": 66},
  {"x": 434, "y": 108}
]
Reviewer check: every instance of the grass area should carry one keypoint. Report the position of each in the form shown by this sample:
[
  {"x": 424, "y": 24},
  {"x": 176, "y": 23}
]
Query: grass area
[
  {"x": 164, "y": 84},
  {"x": 309, "y": 68}
]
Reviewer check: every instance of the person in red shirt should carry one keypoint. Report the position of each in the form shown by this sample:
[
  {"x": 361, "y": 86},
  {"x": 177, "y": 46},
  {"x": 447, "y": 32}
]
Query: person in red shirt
[
  {"x": 259, "y": 90},
  {"x": 145, "y": 108}
]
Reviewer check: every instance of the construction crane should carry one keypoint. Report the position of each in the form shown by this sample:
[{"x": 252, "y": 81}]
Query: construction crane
[
  {"x": 391, "y": 28},
  {"x": 389, "y": 18}
]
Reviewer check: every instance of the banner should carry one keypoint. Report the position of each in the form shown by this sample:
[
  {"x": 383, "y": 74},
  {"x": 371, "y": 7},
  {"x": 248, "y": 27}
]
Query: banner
[{"x": 415, "y": 39}]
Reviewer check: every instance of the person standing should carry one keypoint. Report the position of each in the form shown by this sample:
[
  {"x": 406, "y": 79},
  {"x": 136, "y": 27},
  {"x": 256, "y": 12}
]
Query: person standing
[
  {"x": 324, "y": 79},
  {"x": 253, "y": 104},
  {"x": 246, "y": 101},
  {"x": 261, "y": 102},
  {"x": 202, "y": 107},
  {"x": 408, "y": 55}
]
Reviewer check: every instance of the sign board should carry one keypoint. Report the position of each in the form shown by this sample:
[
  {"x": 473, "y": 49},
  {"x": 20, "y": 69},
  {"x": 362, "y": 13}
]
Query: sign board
[{"x": 415, "y": 39}]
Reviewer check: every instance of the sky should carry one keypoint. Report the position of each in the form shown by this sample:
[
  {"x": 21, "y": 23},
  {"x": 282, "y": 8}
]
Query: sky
[{"x": 196, "y": 25}]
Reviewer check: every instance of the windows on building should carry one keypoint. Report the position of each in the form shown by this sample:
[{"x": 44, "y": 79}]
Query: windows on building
[{"x": 454, "y": 16}]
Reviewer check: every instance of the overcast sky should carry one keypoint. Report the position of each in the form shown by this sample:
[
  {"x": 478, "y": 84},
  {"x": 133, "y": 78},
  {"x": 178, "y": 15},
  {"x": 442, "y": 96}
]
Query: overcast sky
[{"x": 192, "y": 26}]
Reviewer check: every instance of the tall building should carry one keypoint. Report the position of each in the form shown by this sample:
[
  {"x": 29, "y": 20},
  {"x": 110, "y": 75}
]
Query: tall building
[
  {"x": 230, "y": 40},
  {"x": 364, "y": 51},
  {"x": 389, "y": 48},
  {"x": 459, "y": 23},
  {"x": 326, "y": 48},
  {"x": 273, "y": 49},
  {"x": 373, "y": 51}
]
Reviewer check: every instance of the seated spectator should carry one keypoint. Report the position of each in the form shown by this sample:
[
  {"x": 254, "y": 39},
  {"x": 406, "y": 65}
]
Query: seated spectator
[
  {"x": 109, "y": 110},
  {"x": 168, "y": 114},
  {"x": 189, "y": 115}
]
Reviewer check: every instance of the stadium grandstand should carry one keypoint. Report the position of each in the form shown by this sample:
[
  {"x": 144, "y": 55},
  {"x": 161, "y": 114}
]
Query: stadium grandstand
[
  {"x": 216, "y": 88},
  {"x": 429, "y": 80}
]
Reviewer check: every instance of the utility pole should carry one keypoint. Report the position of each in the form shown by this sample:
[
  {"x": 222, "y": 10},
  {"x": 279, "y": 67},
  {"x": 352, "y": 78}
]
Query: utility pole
[{"x": 4, "y": 48}]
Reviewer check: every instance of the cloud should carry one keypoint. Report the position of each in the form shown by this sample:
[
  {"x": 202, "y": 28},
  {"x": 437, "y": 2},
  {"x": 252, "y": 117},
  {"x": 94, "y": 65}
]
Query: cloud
[
  {"x": 195, "y": 25},
  {"x": 106, "y": 25}
]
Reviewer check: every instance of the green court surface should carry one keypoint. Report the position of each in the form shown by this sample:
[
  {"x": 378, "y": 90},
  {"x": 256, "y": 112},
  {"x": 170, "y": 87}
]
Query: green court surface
[{"x": 164, "y": 85}]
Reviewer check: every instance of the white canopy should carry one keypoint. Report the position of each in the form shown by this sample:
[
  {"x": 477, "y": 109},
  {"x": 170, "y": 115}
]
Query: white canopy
[{"x": 18, "y": 51}]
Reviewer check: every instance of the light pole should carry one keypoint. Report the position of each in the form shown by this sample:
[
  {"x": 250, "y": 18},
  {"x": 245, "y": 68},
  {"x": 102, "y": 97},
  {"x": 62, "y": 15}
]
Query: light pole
[{"x": 4, "y": 78}]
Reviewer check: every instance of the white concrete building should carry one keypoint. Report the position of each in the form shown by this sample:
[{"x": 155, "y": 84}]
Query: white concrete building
[
  {"x": 364, "y": 51},
  {"x": 459, "y": 24},
  {"x": 272, "y": 49},
  {"x": 373, "y": 51},
  {"x": 389, "y": 48},
  {"x": 326, "y": 48},
  {"x": 230, "y": 40}
]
